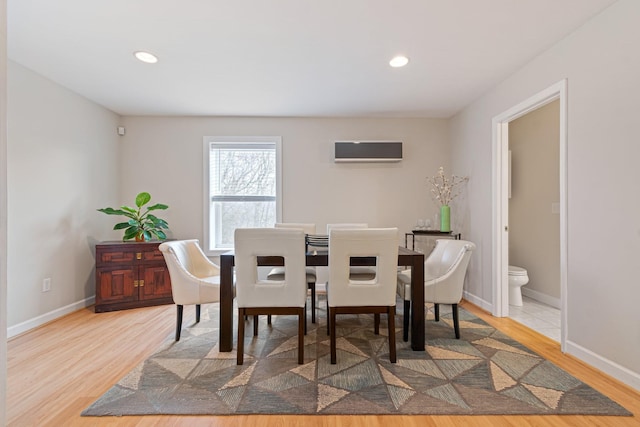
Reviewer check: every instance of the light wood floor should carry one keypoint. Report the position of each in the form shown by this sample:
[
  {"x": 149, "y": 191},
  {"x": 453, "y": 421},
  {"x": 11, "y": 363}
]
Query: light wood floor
[{"x": 56, "y": 371}]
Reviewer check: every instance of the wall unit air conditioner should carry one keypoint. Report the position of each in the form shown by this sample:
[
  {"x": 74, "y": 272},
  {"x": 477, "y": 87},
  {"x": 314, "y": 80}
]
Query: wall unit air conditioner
[{"x": 368, "y": 151}]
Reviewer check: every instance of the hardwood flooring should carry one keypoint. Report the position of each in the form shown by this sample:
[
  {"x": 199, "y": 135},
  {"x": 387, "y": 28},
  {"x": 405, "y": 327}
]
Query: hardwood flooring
[{"x": 57, "y": 370}]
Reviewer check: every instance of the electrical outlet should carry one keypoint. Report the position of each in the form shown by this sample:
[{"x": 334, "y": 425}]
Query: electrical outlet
[{"x": 46, "y": 285}]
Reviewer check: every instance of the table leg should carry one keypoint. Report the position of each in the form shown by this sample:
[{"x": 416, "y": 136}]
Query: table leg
[
  {"x": 226, "y": 303},
  {"x": 417, "y": 303}
]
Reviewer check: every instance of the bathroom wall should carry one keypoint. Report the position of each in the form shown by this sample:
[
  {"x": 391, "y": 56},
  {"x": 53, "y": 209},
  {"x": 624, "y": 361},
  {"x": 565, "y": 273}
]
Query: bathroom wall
[{"x": 534, "y": 220}]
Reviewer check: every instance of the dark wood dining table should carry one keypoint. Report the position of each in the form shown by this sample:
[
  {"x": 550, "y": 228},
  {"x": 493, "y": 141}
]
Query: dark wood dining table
[{"x": 319, "y": 258}]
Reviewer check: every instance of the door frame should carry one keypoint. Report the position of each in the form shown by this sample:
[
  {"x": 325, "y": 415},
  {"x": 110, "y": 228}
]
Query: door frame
[{"x": 500, "y": 188}]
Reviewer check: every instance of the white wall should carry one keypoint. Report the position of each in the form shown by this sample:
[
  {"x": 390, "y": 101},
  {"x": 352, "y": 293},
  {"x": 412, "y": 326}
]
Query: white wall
[
  {"x": 163, "y": 155},
  {"x": 66, "y": 161},
  {"x": 3, "y": 211},
  {"x": 602, "y": 65},
  {"x": 63, "y": 165}
]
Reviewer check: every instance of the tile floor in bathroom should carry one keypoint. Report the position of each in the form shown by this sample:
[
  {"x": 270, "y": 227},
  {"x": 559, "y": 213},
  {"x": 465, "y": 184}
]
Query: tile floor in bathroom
[{"x": 538, "y": 316}]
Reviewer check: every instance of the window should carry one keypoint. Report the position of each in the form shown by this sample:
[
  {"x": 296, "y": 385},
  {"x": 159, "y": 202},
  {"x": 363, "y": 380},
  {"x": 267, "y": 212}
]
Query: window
[{"x": 242, "y": 187}]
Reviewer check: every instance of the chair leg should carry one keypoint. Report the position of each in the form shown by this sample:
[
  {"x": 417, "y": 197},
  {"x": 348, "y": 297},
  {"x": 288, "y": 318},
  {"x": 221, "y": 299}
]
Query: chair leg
[
  {"x": 332, "y": 333},
  {"x": 456, "y": 322},
  {"x": 255, "y": 325},
  {"x": 240, "y": 355},
  {"x": 392, "y": 333},
  {"x": 179, "y": 321},
  {"x": 302, "y": 325},
  {"x": 376, "y": 323},
  {"x": 197, "y": 313},
  {"x": 328, "y": 318},
  {"x": 312, "y": 286},
  {"x": 405, "y": 320},
  {"x": 436, "y": 311}
]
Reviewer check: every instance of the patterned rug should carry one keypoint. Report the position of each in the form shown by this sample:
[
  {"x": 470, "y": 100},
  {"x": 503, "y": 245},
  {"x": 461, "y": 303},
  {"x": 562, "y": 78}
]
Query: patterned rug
[{"x": 485, "y": 372}]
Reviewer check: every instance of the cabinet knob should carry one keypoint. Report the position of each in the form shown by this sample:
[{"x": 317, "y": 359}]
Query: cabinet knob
[
  {"x": 135, "y": 283},
  {"x": 138, "y": 255},
  {"x": 141, "y": 283}
]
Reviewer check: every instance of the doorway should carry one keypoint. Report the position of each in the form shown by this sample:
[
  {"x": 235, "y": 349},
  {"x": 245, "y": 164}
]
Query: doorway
[{"x": 500, "y": 184}]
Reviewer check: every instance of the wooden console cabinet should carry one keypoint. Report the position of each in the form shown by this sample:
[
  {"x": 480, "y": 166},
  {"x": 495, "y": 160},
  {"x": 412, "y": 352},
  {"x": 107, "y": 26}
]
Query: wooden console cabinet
[{"x": 130, "y": 275}]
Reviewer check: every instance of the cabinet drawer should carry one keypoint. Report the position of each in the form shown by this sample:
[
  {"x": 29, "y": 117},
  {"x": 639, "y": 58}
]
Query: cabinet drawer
[
  {"x": 155, "y": 255},
  {"x": 115, "y": 257}
]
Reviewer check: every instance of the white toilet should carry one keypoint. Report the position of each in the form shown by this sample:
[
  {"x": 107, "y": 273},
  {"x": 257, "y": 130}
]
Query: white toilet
[{"x": 517, "y": 279}]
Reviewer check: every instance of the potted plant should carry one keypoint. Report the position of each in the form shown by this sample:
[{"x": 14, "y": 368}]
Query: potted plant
[{"x": 142, "y": 225}]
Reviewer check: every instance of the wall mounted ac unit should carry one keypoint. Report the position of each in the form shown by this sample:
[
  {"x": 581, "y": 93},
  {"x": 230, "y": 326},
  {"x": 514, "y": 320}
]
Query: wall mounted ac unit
[{"x": 368, "y": 151}]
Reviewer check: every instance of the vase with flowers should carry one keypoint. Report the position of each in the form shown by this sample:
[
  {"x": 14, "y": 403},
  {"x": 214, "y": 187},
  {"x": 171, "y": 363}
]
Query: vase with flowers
[{"x": 444, "y": 190}]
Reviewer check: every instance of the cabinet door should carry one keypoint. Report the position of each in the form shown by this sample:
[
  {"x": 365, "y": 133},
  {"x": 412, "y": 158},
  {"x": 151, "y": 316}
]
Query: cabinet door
[
  {"x": 116, "y": 284},
  {"x": 154, "y": 282}
]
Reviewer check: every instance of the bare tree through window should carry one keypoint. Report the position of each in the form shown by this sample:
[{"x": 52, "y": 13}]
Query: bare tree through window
[{"x": 242, "y": 189}]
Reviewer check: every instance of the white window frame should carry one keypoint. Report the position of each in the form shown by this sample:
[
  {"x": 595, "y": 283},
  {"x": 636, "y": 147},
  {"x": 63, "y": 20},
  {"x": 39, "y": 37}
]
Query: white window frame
[{"x": 249, "y": 140}]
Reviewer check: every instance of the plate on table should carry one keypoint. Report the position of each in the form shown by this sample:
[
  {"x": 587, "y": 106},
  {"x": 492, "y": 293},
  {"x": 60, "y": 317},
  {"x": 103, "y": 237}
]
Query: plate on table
[{"x": 317, "y": 240}]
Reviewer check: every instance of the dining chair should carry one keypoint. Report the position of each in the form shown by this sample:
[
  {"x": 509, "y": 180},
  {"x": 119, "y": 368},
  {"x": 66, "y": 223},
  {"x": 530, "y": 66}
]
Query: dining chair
[
  {"x": 357, "y": 273},
  {"x": 257, "y": 296},
  {"x": 277, "y": 273},
  {"x": 194, "y": 278},
  {"x": 444, "y": 272},
  {"x": 377, "y": 295}
]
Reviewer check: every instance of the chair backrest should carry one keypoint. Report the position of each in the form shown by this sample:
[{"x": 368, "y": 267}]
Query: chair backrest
[
  {"x": 380, "y": 243},
  {"x": 251, "y": 291},
  {"x": 346, "y": 225},
  {"x": 187, "y": 265},
  {"x": 445, "y": 268},
  {"x": 186, "y": 253},
  {"x": 307, "y": 228}
]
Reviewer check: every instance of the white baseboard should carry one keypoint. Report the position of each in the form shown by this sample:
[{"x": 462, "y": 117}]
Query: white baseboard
[
  {"x": 627, "y": 376},
  {"x": 20, "y": 328},
  {"x": 543, "y": 298},
  {"x": 478, "y": 301}
]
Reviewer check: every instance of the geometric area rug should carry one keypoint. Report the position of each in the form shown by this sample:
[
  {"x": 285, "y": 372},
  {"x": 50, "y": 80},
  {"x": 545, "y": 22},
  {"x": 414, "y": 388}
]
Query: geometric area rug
[{"x": 484, "y": 372}]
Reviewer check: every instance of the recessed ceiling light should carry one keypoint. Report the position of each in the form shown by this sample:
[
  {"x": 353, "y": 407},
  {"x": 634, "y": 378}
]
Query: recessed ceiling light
[
  {"x": 399, "y": 61},
  {"x": 147, "y": 57}
]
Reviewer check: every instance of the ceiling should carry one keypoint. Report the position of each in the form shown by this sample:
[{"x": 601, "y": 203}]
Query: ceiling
[{"x": 323, "y": 58}]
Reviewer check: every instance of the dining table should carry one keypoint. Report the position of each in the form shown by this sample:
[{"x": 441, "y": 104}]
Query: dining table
[{"x": 318, "y": 258}]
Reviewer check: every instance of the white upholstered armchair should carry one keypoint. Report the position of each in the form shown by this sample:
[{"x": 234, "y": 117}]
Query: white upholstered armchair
[
  {"x": 444, "y": 272},
  {"x": 194, "y": 278}
]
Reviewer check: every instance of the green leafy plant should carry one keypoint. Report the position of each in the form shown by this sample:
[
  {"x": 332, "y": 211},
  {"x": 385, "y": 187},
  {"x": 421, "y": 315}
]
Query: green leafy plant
[{"x": 142, "y": 225}]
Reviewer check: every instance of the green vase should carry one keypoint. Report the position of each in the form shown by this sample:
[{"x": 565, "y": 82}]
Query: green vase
[{"x": 445, "y": 218}]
